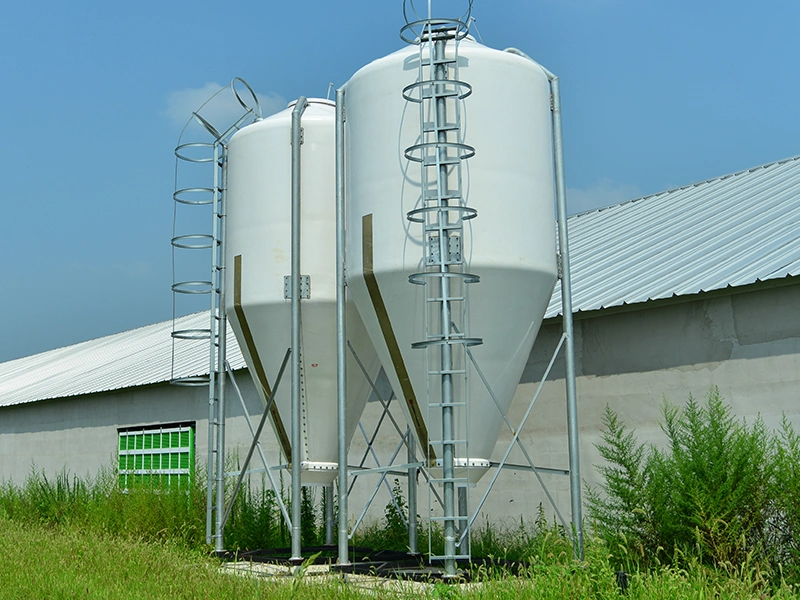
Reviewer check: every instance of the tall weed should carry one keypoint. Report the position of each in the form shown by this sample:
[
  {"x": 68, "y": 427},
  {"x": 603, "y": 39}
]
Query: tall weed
[{"x": 705, "y": 495}]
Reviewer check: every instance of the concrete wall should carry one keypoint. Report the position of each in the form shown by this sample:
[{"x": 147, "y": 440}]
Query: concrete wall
[
  {"x": 747, "y": 344},
  {"x": 79, "y": 434}
]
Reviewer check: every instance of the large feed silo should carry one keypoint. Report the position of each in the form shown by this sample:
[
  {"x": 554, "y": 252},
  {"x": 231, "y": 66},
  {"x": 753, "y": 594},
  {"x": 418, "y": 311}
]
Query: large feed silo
[
  {"x": 450, "y": 179},
  {"x": 258, "y": 280}
]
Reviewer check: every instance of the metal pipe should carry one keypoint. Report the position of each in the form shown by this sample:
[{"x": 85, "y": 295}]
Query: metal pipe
[
  {"x": 566, "y": 311},
  {"x": 329, "y": 514},
  {"x": 297, "y": 115},
  {"x": 341, "y": 349},
  {"x": 463, "y": 520},
  {"x": 412, "y": 495}
]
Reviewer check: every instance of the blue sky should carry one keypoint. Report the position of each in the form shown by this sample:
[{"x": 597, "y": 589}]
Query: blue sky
[{"x": 655, "y": 95}]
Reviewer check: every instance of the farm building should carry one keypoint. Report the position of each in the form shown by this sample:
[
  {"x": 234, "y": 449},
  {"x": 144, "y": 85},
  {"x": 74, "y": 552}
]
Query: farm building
[{"x": 673, "y": 293}]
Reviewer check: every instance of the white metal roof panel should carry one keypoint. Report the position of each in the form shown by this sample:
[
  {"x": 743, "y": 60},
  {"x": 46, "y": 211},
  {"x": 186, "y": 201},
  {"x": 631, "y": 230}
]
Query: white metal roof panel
[
  {"x": 132, "y": 358},
  {"x": 728, "y": 231}
]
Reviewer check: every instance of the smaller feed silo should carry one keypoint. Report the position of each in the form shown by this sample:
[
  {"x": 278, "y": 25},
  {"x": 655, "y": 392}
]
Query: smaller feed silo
[{"x": 258, "y": 247}]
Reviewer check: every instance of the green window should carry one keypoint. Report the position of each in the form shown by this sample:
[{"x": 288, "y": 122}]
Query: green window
[{"x": 156, "y": 456}]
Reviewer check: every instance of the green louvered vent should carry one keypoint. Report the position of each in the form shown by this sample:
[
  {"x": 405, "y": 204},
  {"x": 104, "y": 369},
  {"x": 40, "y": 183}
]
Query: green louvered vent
[{"x": 157, "y": 457}]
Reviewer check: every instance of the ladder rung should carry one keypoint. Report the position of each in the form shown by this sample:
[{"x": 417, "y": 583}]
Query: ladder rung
[
  {"x": 443, "y": 405},
  {"x": 428, "y": 198},
  {"x": 444, "y": 226},
  {"x": 431, "y": 128},
  {"x": 439, "y": 61},
  {"x": 454, "y": 442},
  {"x": 441, "y": 336},
  {"x": 430, "y": 161},
  {"x": 448, "y": 372},
  {"x": 455, "y": 518}
]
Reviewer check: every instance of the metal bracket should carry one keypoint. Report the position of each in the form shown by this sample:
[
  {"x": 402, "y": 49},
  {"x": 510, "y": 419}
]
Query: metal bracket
[
  {"x": 559, "y": 270},
  {"x": 305, "y": 287},
  {"x": 302, "y": 136},
  {"x": 454, "y": 249}
]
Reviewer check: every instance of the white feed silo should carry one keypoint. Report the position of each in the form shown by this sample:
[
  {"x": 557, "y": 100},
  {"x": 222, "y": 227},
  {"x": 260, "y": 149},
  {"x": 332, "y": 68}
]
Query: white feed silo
[
  {"x": 258, "y": 259},
  {"x": 501, "y": 111}
]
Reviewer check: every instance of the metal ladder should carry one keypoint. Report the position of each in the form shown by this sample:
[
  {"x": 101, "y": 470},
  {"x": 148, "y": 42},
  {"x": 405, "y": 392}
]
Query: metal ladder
[
  {"x": 442, "y": 211},
  {"x": 210, "y": 194}
]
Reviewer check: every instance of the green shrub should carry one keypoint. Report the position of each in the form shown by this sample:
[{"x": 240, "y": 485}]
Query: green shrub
[{"x": 705, "y": 495}]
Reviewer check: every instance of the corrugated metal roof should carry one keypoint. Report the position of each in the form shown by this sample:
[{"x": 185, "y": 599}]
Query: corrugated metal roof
[
  {"x": 132, "y": 358},
  {"x": 728, "y": 231}
]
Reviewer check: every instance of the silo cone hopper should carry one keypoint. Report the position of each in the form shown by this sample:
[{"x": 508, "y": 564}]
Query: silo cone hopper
[
  {"x": 258, "y": 273},
  {"x": 454, "y": 177}
]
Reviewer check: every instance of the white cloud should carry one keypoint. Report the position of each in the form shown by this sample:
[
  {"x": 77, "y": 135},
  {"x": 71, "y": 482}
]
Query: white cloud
[
  {"x": 603, "y": 192},
  {"x": 222, "y": 110}
]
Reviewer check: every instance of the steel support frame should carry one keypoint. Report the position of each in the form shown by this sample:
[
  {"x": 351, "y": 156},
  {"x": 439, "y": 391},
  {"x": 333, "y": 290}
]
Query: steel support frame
[
  {"x": 515, "y": 441},
  {"x": 253, "y": 444},
  {"x": 267, "y": 468},
  {"x": 413, "y": 466}
]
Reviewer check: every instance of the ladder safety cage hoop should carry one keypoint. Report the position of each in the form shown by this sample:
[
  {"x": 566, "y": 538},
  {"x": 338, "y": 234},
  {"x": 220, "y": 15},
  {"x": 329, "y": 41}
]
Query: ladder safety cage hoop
[{"x": 418, "y": 214}]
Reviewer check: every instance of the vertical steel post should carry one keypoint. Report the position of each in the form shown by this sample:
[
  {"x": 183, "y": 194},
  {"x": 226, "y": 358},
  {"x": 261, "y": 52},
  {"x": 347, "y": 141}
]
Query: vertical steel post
[
  {"x": 297, "y": 115},
  {"x": 463, "y": 520},
  {"x": 566, "y": 311},
  {"x": 329, "y": 514},
  {"x": 222, "y": 334},
  {"x": 341, "y": 347},
  {"x": 412, "y": 494}
]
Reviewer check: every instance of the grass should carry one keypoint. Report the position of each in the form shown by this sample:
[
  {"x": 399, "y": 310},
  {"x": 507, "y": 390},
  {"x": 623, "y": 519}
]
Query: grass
[
  {"x": 731, "y": 533},
  {"x": 67, "y": 561}
]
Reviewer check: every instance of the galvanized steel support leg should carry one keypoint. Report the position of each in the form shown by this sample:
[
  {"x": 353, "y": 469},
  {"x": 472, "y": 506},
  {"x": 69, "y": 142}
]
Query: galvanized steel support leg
[
  {"x": 329, "y": 514},
  {"x": 297, "y": 115},
  {"x": 463, "y": 520},
  {"x": 566, "y": 311},
  {"x": 341, "y": 349},
  {"x": 412, "y": 495}
]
